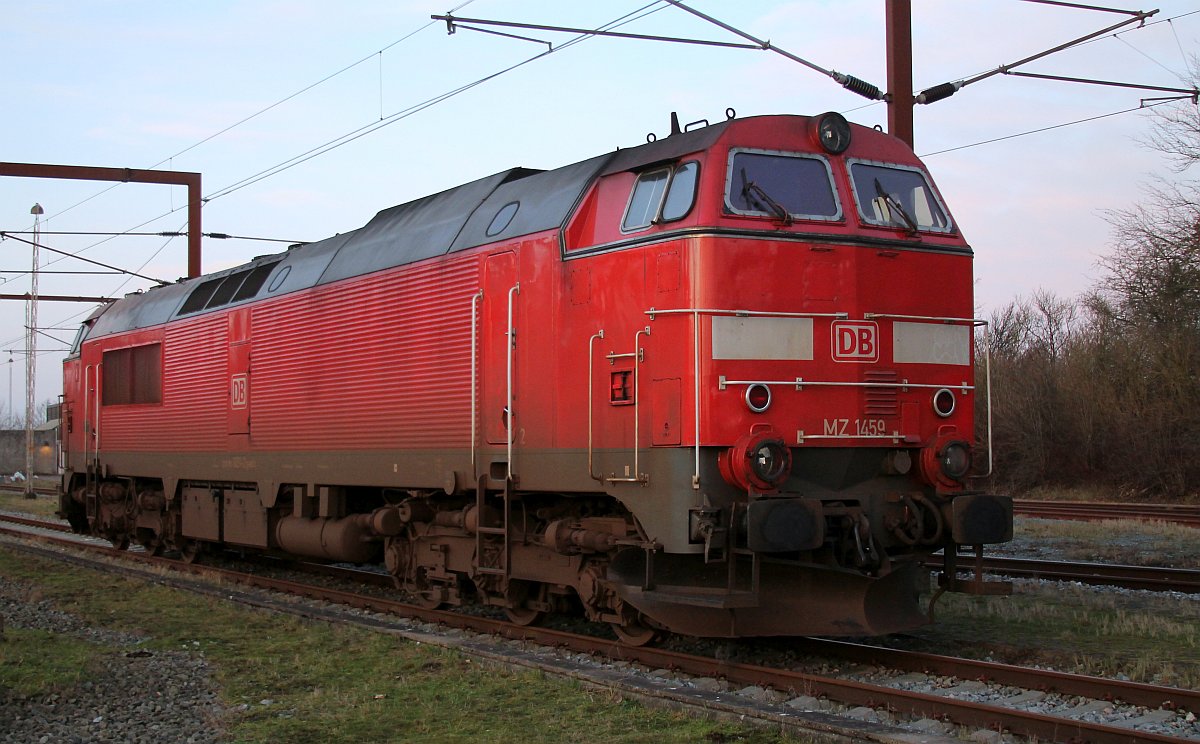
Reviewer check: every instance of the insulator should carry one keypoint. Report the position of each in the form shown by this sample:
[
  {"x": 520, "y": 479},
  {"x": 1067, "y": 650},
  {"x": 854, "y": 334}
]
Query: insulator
[
  {"x": 861, "y": 87},
  {"x": 937, "y": 92}
]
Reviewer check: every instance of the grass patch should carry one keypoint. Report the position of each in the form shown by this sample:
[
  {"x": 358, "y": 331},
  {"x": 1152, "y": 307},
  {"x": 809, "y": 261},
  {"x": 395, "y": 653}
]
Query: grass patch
[
  {"x": 337, "y": 684},
  {"x": 42, "y": 506},
  {"x": 1148, "y": 638},
  {"x": 34, "y": 662}
]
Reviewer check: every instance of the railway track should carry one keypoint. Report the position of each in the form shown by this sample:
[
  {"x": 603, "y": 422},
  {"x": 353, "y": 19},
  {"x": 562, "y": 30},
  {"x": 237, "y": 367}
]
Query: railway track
[
  {"x": 1045, "y": 726},
  {"x": 20, "y": 488},
  {"x": 1154, "y": 578},
  {"x": 1091, "y": 511}
]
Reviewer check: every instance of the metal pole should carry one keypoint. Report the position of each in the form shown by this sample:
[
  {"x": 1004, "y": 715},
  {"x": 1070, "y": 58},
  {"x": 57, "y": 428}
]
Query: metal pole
[
  {"x": 132, "y": 175},
  {"x": 899, "y": 69},
  {"x": 31, "y": 354}
]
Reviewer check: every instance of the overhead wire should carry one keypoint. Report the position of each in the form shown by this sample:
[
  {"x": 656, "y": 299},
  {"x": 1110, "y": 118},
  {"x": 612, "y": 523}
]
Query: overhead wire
[
  {"x": 269, "y": 107},
  {"x": 366, "y": 129},
  {"x": 159, "y": 234},
  {"x": 637, "y": 14},
  {"x": 402, "y": 114},
  {"x": 225, "y": 130},
  {"x": 1142, "y": 107}
]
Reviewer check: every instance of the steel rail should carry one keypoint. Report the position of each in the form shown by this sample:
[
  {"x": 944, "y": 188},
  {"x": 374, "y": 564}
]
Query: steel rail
[
  {"x": 18, "y": 488},
  {"x": 983, "y": 715},
  {"x": 1156, "y": 578},
  {"x": 35, "y": 522},
  {"x": 1186, "y": 514},
  {"x": 1064, "y": 683}
]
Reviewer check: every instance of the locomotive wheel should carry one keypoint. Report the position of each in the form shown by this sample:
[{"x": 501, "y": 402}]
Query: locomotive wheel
[
  {"x": 428, "y": 599},
  {"x": 519, "y": 592},
  {"x": 634, "y": 633},
  {"x": 189, "y": 551},
  {"x": 523, "y": 616},
  {"x": 426, "y": 594},
  {"x": 153, "y": 546},
  {"x": 119, "y": 542}
]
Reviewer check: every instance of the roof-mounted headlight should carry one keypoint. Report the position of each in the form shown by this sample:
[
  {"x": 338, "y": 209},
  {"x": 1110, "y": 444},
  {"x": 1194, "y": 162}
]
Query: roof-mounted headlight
[{"x": 832, "y": 132}]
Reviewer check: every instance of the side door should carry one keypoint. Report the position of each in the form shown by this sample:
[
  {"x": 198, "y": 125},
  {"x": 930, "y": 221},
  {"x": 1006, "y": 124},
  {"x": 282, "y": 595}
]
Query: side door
[
  {"x": 239, "y": 373},
  {"x": 497, "y": 368}
]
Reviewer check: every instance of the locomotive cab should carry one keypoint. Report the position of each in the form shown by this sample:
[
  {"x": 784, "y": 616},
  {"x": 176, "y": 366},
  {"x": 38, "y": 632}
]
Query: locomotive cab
[{"x": 823, "y": 328}]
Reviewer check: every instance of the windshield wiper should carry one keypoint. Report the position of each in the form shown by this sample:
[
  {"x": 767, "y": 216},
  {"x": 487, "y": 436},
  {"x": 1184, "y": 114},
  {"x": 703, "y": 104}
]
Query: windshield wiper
[
  {"x": 758, "y": 196},
  {"x": 895, "y": 206}
]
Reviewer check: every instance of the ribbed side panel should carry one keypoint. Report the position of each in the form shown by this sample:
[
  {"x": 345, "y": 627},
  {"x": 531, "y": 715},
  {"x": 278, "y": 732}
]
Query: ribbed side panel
[
  {"x": 193, "y": 415},
  {"x": 379, "y": 362}
]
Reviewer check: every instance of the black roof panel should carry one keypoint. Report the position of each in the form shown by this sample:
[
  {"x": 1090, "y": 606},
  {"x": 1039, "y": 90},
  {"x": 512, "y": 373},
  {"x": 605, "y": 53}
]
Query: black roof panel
[
  {"x": 412, "y": 232},
  {"x": 546, "y": 199}
]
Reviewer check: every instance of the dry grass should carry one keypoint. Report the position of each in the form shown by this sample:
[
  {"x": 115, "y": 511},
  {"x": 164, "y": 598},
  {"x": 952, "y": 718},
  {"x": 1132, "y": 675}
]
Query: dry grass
[
  {"x": 1147, "y": 637},
  {"x": 1110, "y": 541},
  {"x": 42, "y": 505},
  {"x": 341, "y": 684}
]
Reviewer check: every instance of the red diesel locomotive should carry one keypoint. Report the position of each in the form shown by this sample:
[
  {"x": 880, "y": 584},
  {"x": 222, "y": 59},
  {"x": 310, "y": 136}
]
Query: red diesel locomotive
[{"x": 719, "y": 384}]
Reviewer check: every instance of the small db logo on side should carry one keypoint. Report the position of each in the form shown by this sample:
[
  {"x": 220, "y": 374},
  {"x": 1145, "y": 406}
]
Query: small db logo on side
[
  {"x": 855, "y": 341},
  {"x": 238, "y": 391}
]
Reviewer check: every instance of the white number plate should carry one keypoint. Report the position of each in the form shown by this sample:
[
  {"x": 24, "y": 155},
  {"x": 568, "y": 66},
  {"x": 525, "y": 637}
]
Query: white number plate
[{"x": 854, "y": 427}]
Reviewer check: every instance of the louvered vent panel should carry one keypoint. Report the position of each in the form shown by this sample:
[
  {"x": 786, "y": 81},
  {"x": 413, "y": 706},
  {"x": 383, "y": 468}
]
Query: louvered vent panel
[{"x": 881, "y": 401}]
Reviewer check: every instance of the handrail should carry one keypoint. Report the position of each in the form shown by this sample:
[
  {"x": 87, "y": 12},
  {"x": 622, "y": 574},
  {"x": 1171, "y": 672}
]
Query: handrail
[
  {"x": 87, "y": 431},
  {"x": 987, "y": 371},
  {"x": 96, "y": 394},
  {"x": 475, "y": 298},
  {"x": 742, "y": 313},
  {"x": 638, "y": 476},
  {"x": 512, "y": 346},
  {"x": 925, "y": 318},
  {"x": 591, "y": 372},
  {"x": 800, "y": 382}
]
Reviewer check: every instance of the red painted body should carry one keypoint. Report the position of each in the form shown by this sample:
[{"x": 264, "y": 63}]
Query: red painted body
[{"x": 630, "y": 355}]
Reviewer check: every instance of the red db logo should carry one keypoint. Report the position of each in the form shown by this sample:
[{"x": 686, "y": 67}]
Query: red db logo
[{"x": 855, "y": 341}]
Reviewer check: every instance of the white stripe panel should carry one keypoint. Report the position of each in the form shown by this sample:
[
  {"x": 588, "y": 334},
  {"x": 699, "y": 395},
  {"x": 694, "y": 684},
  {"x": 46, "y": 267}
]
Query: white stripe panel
[
  {"x": 931, "y": 343},
  {"x": 762, "y": 338}
]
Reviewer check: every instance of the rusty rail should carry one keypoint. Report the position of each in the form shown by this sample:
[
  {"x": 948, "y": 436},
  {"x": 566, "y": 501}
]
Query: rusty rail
[
  {"x": 1155, "y": 578},
  {"x": 1186, "y": 514}
]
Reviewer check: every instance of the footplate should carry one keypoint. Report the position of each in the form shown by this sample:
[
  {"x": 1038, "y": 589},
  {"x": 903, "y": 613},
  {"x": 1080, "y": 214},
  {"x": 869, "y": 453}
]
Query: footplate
[{"x": 948, "y": 577}]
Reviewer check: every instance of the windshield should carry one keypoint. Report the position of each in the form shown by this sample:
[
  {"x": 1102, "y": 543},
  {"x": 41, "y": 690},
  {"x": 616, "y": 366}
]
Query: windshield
[
  {"x": 897, "y": 196},
  {"x": 79, "y": 337},
  {"x": 780, "y": 185}
]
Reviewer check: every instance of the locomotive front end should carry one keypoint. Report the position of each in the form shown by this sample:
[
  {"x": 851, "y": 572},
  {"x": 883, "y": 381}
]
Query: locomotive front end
[{"x": 833, "y": 355}]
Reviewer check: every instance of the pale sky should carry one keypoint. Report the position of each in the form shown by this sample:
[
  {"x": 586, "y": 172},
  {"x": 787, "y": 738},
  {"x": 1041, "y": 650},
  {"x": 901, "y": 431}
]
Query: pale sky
[{"x": 154, "y": 84}]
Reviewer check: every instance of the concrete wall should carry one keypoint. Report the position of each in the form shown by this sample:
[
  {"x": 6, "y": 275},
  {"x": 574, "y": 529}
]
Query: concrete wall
[{"x": 12, "y": 452}]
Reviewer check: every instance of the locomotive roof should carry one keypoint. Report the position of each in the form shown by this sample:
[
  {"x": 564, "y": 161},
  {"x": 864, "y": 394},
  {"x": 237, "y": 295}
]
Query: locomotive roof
[{"x": 457, "y": 219}]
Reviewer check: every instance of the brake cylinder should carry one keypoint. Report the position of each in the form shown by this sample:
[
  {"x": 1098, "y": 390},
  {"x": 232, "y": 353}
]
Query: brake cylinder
[{"x": 348, "y": 539}]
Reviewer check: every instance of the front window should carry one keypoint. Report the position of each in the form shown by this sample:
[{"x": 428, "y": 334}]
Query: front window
[
  {"x": 661, "y": 195},
  {"x": 897, "y": 196},
  {"x": 781, "y": 185},
  {"x": 77, "y": 344}
]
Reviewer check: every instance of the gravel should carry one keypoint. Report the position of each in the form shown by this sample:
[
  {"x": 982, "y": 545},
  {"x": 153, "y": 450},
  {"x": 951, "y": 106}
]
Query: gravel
[{"x": 136, "y": 695}]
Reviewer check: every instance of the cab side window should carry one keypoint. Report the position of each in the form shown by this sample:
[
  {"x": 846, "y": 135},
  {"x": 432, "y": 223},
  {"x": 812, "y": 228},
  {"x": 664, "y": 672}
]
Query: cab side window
[{"x": 661, "y": 195}]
